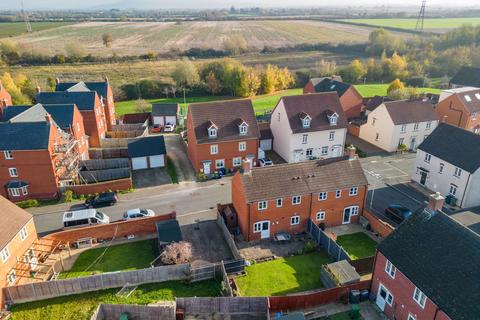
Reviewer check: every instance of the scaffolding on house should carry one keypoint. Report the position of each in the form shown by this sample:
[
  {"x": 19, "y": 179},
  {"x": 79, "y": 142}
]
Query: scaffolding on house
[{"x": 66, "y": 159}]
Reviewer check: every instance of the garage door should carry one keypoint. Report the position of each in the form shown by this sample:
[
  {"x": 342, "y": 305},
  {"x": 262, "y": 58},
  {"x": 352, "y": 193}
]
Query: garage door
[
  {"x": 158, "y": 120},
  {"x": 266, "y": 144},
  {"x": 139, "y": 163},
  {"x": 157, "y": 161},
  {"x": 171, "y": 119}
]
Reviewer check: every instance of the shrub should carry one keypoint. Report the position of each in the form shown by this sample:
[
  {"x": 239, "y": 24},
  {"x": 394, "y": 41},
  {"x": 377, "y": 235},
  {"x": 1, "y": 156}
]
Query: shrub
[
  {"x": 309, "y": 247},
  {"x": 68, "y": 196},
  {"x": 177, "y": 253},
  {"x": 28, "y": 203}
]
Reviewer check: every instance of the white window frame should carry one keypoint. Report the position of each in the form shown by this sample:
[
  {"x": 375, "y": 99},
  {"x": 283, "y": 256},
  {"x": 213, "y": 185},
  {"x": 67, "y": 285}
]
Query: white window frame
[
  {"x": 214, "y": 149},
  {"x": 8, "y": 154},
  {"x": 23, "y": 233},
  {"x": 24, "y": 190},
  {"x": 237, "y": 161},
  {"x": 295, "y": 220},
  {"x": 419, "y": 297},
  {"x": 11, "y": 277},
  {"x": 429, "y": 125},
  {"x": 333, "y": 120},
  {"x": 416, "y": 126},
  {"x": 324, "y": 151},
  {"x": 322, "y": 196},
  {"x": 320, "y": 216},
  {"x": 403, "y": 128},
  {"x": 458, "y": 172},
  {"x": 453, "y": 188},
  {"x": 5, "y": 254},
  {"x": 411, "y": 317},
  {"x": 305, "y": 139},
  {"x": 401, "y": 141},
  {"x": 338, "y": 194},
  {"x": 212, "y": 133},
  {"x": 219, "y": 161},
  {"x": 14, "y": 192},
  {"x": 296, "y": 200},
  {"x": 441, "y": 168},
  {"x": 428, "y": 157},
  {"x": 13, "y": 172},
  {"x": 257, "y": 227},
  {"x": 279, "y": 202},
  {"x": 331, "y": 136},
  {"x": 78, "y": 126},
  {"x": 262, "y": 205},
  {"x": 309, "y": 152},
  {"x": 243, "y": 129},
  {"x": 242, "y": 146},
  {"x": 353, "y": 210},
  {"x": 353, "y": 191},
  {"x": 306, "y": 123},
  {"x": 390, "y": 269}
]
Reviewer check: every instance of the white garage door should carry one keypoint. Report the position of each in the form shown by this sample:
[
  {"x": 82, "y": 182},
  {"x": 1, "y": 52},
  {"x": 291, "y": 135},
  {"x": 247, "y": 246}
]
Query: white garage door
[
  {"x": 157, "y": 161},
  {"x": 171, "y": 119},
  {"x": 139, "y": 163},
  {"x": 158, "y": 120},
  {"x": 266, "y": 144}
]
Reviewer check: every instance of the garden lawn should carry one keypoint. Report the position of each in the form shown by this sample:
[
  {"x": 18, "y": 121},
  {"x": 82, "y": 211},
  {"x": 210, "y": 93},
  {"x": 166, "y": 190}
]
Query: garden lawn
[
  {"x": 370, "y": 90},
  {"x": 358, "y": 245},
  {"x": 283, "y": 275},
  {"x": 82, "y": 306},
  {"x": 129, "y": 256}
]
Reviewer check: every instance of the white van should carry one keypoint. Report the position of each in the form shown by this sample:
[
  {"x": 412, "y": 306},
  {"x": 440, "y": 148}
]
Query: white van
[{"x": 84, "y": 218}]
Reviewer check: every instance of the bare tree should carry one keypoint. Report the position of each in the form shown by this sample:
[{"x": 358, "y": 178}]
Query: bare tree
[
  {"x": 166, "y": 91},
  {"x": 173, "y": 90},
  {"x": 177, "y": 253},
  {"x": 107, "y": 39}
]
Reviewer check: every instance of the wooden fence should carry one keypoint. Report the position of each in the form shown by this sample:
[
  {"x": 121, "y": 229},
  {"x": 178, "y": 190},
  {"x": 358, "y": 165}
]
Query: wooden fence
[
  {"x": 228, "y": 237},
  {"x": 363, "y": 266},
  {"x": 335, "y": 251},
  {"x": 113, "y": 312},
  {"x": 312, "y": 299},
  {"x": 224, "y": 307}
]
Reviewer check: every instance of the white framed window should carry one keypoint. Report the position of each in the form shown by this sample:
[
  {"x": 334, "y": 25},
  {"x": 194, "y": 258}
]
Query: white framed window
[
  {"x": 331, "y": 136},
  {"x": 212, "y": 133},
  {"x": 385, "y": 294},
  {"x": 257, "y": 227},
  {"x": 219, "y": 163},
  {"x": 23, "y": 233},
  {"x": 214, "y": 149},
  {"x": 419, "y": 297},
  {"x": 11, "y": 277},
  {"x": 320, "y": 215},
  {"x": 474, "y": 114},
  {"x": 309, "y": 152},
  {"x": 429, "y": 125},
  {"x": 13, "y": 172},
  {"x": 295, "y": 220},
  {"x": 390, "y": 269},
  {"x": 338, "y": 193},
  {"x": 243, "y": 129},
  {"x": 24, "y": 190},
  {"x": 333, "y": 120},
  {"x": 322, "y": 196},
  {"x": 353, "y": 191},
  {"x": 440, "y": 169},
  {"x": 305, "y": 138},
  {"x": 403, "y": 128},
  {"x": 5, "y": 254},
  {"x": 353, "y": 210},
  {"x": 262, "y": 205},
  {"x": 415, "y": 126},
  {"x": 306, "y": 122},
  {"x": 453, "y": 189},
  {"x": 411, "y": 317},
  {"x": 373, "y": 121},
  {"x": 14, "y": 192},
  {"x": 8, "y": 154},
  {"x": 427, "y": 158},
  {"x": 237, "y": 162},
  {"x": 242, "y": 146},
  {"x": 296, "y": 200},
  {"x": 279, "y": 202},
  {"x": 458, "y": 172},
  {"x": 401, "y": 141},
  {"x": 324, "y": 151}
]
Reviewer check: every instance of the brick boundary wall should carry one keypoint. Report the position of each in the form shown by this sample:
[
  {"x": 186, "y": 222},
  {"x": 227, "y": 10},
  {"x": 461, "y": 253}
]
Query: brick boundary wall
[
  {"x": 381, "y": 227},
  {"x": 354, "y": 130},
  {"x": 113, "y": 185},
  {"x": 106, "y": 231},
  {"x": 113, "y": 311}
]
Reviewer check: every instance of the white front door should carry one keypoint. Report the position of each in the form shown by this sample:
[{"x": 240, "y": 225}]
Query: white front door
[
  {"x": 206, "y": 167},
  {"x": 383, "y": 296},
  {"x": 337, "y": 151},
  {"x": 297, "y": 156},
  {"x": 265, "y": 231},
  {"x": 413, "y": 143},
  {"x": 347, "y": 213}
]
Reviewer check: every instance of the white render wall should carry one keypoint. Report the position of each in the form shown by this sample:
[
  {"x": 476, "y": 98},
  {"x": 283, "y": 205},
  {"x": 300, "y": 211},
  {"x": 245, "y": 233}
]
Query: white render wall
[
  {"x": 472, "y": 194},
  {"x": 285, "y": 142}
]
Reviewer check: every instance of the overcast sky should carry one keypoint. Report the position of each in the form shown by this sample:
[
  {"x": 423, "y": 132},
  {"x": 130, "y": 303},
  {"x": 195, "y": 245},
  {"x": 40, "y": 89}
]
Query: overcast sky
[{"x": 201, "y": 4}]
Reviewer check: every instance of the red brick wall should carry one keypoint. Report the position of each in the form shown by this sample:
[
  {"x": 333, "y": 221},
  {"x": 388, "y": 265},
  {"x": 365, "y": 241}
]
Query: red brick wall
[
  {"x": 453, "y": 111},
  {"x": 114, "y": 185},
  {"x": 352, "y": 102},
  {"x": 5, "y": 98},
  {"x": 78, "y": 132},
  {"x": 241, "y": 206},
  {"x": 120, "y": 229},
  {"x": 309, "y": 88},
  {"x": 379, "y": 226},
  {"x": 353, "y": 130},
  {"x": 402, "y": 291},
  {"x": 91, "y": 122},
  {"x": 109, "y": 108}
]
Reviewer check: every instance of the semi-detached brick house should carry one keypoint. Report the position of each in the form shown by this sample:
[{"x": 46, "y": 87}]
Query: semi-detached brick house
[
  {"x": 461, "y": 108},
  {"x": 103, "y": 90},
  {"x": 89, "y": 105},
  {"x": 221, "y": 135},
  {"x": 67, "y": 117},
  {"x": 283, "y": 197},
  {"x": 35, "y": 159},
  {"x": 427, "y": 269},
  {"x": 17, "y": 236}
]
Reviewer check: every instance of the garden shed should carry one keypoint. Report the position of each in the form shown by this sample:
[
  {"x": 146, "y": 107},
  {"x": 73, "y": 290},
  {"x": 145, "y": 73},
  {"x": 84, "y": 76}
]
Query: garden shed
[
  {"x": 338, "y": 274},
  {"x": 167, "y": 232}
]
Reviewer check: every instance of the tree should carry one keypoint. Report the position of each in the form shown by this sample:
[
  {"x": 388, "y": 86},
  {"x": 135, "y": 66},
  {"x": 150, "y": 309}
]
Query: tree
[
  {"x": 326, "y": 68},
  {"x": 75, "y": 50},
  {"x": 395, "y": 85},
  {"x": 213, "y": 85},
  {"x": 107, "y": 39},
  {"x": 269, "y": 79},
  {"x": 285, "y": 79},
  {"x": 354, "y": 72},
  {"x": 166, "y": 91},
  {"x": 399, "y": 66},
  {"x": 177, "y": 253},
  {"x": 17, "y": 96},
  {"x": 250, "y": 82},
  {"x": 51, "y": 83},
  {"x": 142, "y": 106},
  {"x": 185, "y": 74},
  {"x": 235, "y": 44}
]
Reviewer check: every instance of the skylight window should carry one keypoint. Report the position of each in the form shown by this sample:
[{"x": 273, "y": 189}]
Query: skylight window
[{"x": 332, "y": 87}]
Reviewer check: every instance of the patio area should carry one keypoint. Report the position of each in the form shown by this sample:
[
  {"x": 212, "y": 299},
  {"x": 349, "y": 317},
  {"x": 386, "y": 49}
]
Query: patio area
[{"x": 262, "y": 249}]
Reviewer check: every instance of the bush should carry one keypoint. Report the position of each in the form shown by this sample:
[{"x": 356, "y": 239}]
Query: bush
[
  {"x": 28, "y": 203},
  {"x": 309, "y": 247},
  {"x": 177, "y": 253},
  {"x": 68, "y": 196},
  {"x": 418, "y": 82}
]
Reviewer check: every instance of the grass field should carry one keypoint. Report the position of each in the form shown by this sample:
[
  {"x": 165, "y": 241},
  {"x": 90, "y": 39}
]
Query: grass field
[
  {"x": 358, "y": 245},
  {"x": 12, "y": 29},
  {"x": 82, "y": 306},
  {"x": 370, "y": 90},
  {"x": 129, "y": 256},
  {"x": 439, "y": 24},
  {"x": 283, "y": 275},
  {"x": 134, "y": 38}
]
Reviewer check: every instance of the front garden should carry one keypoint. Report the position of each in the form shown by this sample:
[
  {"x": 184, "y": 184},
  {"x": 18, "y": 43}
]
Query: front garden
[{"x": 357, "y": 245}]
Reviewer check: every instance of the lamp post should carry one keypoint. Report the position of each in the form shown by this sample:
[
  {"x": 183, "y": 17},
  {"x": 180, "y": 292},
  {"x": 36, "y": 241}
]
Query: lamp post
[{"x": 376, "y": 176}]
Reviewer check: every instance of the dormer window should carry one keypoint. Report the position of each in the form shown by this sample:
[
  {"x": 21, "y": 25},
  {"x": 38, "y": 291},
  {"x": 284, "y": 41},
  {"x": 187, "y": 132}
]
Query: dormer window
[
  {"x": 306, "y": 120},
  {"x": 242, "y": 127},
  {"x": 333, "y": 119},
  {"x": 212, "y": 132}
]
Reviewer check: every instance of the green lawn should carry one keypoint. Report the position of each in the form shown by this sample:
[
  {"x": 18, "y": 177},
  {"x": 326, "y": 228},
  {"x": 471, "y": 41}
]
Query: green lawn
[
  {"x": 129, "y": 256},
  {"x": 11, "y": 29},
  {"x": 283, "y": 275},
  {"x": 358, "y": 245},
  {"x": 439, "y": 23},
  {"x": 82, "y": 306},
  {"x": 370, "y": 90}
]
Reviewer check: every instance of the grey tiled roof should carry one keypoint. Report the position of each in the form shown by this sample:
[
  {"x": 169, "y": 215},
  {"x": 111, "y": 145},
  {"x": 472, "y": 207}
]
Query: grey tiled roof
[
  {"x": 165, "y": 109},
  {"x": 100, "y": 87},
  {"x": 84, "y": 100},
  {"x": 24, "y": 136},
  {"x": 329, "y": 85},
  {"x": 146, "y": 146},
  {"x": 61, "y": 114},
  {"x": 467, "y": 76}
]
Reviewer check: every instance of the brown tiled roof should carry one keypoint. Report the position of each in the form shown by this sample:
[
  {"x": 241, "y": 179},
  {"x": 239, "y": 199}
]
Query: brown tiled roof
[
  {"x": 410, "y": 111},
  {"x": 317, "y": 106},
  {"x": 225, "y": 115},
  {"x": 265, "y": 131},
  {"x": 302, "y": 178},
  {"x": 12, "y": 218},
  {"x": 474, "y": 104},
  {"x": 374, "y": 102}
]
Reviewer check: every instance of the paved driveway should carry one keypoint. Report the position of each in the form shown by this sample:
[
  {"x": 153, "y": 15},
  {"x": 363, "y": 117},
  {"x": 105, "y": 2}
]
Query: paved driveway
[
  {"x": 177, "y": 151},
  {"x": 150, "y": 177}
]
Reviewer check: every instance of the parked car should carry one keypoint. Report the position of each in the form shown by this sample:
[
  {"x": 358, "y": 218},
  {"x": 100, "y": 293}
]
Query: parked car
[
  {"x": 397, "y": 212},
  {"x": 265, "y": 162},
  {"x": 102, "y": 200},
  {"x": 84, "y": 218},
  {"x": 157, "y": 128},
  {"x": 138, "y": 213},
  {"x": 169, "y": 127}
]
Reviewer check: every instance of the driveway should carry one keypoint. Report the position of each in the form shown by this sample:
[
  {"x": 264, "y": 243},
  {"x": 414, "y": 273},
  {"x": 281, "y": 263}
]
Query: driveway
[
  {"x": 368, "y": 148},
  {"x": 177, "y": 152},
  {"x": 150, "y": 178}
]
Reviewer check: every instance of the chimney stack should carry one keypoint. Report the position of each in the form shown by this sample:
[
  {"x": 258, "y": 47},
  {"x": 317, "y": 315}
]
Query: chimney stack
[
  {"x": 48, "y": 118},
  {"x": 435, "y": 201},
  {"x": 352, "y": 152},
  {"x": 39, "y": 89},
  {"x": 57, "y": 80},
  {"x": 246, "y": 166}
]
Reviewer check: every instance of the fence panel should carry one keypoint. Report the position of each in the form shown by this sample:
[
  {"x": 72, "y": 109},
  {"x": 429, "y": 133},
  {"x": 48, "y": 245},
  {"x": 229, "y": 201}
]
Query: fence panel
[
  {"x": 335, "y": 251},
  {"x": 228, "y": 237},
  {"x": 251, "y": 307}
]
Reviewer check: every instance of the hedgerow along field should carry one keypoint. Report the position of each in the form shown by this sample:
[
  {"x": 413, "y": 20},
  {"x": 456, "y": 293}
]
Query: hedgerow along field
[{"x": 12, "y": 29}]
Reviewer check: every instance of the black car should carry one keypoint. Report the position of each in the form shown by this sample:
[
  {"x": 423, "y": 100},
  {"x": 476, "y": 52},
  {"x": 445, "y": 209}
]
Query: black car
[
  {"x": 102, "y": 200},
  {"x": 397, "y": 212}
]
